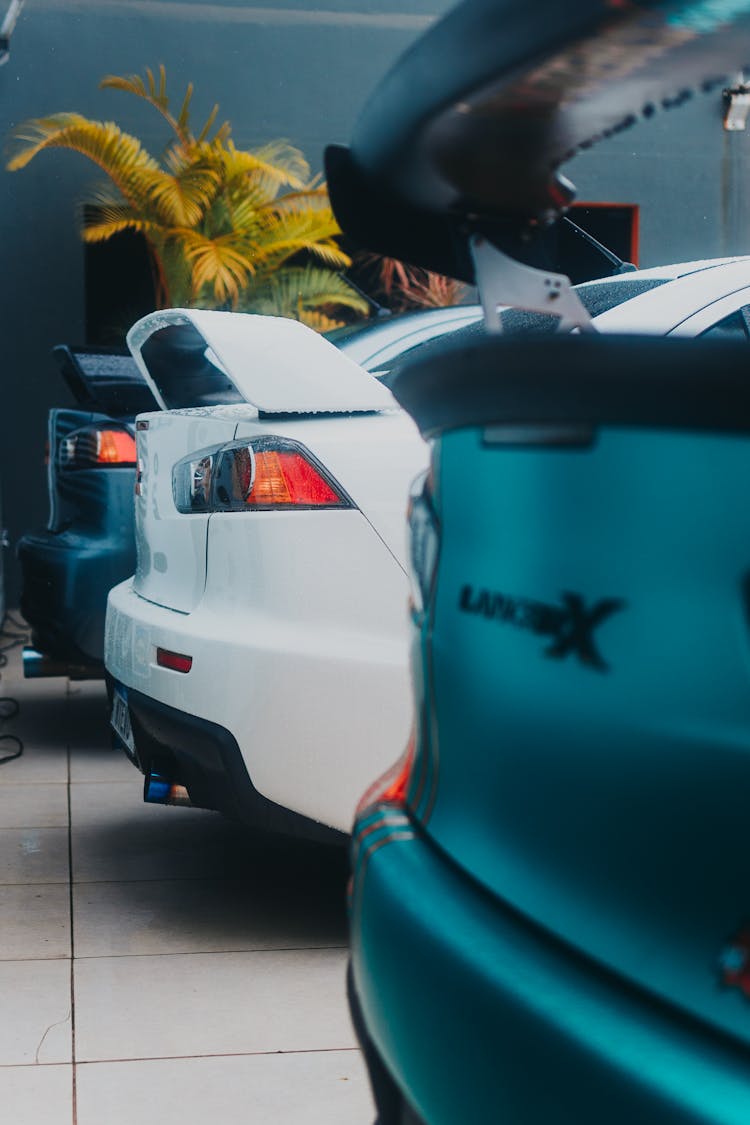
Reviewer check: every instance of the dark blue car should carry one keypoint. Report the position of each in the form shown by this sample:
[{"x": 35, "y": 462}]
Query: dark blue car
[{"x": 88, "y": 545}]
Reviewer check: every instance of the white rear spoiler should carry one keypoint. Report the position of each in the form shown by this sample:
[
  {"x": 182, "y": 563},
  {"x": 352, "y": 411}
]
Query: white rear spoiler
[{"x": 279, "y": 366}]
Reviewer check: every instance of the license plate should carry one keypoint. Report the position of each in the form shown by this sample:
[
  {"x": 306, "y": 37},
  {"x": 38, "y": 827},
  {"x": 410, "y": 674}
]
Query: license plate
[{"x": 120, "y": 720}]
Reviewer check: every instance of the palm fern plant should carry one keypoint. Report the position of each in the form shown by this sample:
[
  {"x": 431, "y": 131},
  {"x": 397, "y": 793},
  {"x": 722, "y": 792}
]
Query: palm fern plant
[{"x": 225, "y": 227}]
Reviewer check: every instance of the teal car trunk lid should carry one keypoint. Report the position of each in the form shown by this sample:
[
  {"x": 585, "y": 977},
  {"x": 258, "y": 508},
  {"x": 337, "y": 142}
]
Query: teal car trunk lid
[{"x": 584, "y": 739}]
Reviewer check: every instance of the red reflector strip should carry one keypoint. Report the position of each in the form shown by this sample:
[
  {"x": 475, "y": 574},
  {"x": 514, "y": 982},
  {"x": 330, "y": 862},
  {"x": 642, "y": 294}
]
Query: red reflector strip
[{"x": 176, "y": 661}]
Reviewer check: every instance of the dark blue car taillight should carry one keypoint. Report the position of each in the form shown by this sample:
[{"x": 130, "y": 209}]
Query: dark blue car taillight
[{"x": 97, "y": 447}]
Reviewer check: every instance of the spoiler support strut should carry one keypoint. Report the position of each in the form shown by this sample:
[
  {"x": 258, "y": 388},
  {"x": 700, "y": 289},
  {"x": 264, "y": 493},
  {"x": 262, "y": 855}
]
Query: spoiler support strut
[{"x": 502, "y": 280}]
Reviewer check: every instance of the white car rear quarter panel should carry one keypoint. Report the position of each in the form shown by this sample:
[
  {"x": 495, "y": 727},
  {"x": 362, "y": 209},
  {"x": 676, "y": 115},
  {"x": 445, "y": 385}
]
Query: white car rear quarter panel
[
  {"x": 299, "y": 648},
  {"x": 171, "y": 546},
  {"x": 374, "y": 457}
]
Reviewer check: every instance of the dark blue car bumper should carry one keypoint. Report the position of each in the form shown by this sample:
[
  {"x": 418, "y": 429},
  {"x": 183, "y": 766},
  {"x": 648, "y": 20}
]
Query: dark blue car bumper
[{"x": 66, "y": 579}]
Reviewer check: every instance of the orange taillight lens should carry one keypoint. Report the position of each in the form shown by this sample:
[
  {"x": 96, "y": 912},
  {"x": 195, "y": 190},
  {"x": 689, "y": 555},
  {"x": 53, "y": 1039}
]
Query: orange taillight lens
[
  {"x": 97, "y": 447},
  {"x": 115, "y": 447},
  {"x": 287, "y": 478},
  {"x": 261, "y": 474}
]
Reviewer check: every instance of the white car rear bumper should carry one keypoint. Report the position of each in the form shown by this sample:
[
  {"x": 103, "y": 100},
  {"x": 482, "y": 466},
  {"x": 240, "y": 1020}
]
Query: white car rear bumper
[{"x": 310, "y": 676}]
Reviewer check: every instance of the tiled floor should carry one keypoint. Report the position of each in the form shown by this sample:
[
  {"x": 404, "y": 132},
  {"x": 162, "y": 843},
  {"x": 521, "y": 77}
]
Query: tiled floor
[{"x": 158, "y": 964}]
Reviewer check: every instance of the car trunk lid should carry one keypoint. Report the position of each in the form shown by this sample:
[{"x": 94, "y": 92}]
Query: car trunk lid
[
  {"x": 104, "y": 379},
  {"x": 584, "y": 752},
  {"x": 257, "y": 367},
  {"x": 193, "y": 357}
]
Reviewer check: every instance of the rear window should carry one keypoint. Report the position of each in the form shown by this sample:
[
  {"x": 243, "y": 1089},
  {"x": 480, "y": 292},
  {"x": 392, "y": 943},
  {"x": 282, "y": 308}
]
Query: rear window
[
  {"x": 183, "y": 369},
  {"x": 596, "y": 296}
]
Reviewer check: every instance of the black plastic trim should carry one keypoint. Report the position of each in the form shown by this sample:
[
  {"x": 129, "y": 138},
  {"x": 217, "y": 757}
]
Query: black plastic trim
[
  {"x": 587, "y": 380},
  {"x": 205, "y": 758}
]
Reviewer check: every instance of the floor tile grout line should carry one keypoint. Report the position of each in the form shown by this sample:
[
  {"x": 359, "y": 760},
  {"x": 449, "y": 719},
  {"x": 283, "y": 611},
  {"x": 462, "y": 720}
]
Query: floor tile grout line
[
  {"x": 180, "y": 1058},
  {"x": 34, "y": 960},
  {"x": 32, "y": 1065},
  {"x": 197, "y": 953},
  {"x": 73, "y": 1073},
  {"x": 36, "y": 886},
  {"x": 225, "y": 1055},
  {"x": 33, "y": 827},
  {"x": 206, "y": 952},
  {"x": 168, "y": 879},
  {"x": 15, "y": 783}
]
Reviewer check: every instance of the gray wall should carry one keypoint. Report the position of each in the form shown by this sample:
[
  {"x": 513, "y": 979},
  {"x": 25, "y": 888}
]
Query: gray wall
[
  {"x": 282, "y": 70},
  {"x": 687, "y": 173}
]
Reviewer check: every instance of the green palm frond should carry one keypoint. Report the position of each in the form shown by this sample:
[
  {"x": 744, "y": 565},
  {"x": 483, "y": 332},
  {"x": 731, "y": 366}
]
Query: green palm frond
[
  {"x": 319, "y": 321},
  {"x": 222, "y": 132},
  {"x": 282, "y": 241},
  {"x": 293, "y": 288},
  {"x": 217, "y": 264},
  {"x": 182, "y": 200},
  {"x": 107, "y": 216},
  {"x": 109, "y": 225},
  {"x": 310, "y": 198},
  {"x": 223, "y": 226},
  {"x": 121, "y": 156},
  {"x": 248, "y": 211},
  {"x": 271, "y": 167},
  {"x": 155, "y": 96}
]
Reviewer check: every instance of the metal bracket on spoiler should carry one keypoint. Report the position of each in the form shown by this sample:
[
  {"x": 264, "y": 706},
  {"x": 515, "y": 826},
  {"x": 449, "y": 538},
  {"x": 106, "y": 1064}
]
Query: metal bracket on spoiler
[{"x": 503, "y": 281}]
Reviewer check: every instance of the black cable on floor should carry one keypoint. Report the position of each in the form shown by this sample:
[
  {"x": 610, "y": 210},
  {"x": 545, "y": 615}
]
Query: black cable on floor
[
  {"x": 17, "y": 742},
  {"x": 9, "y": 707},
  {"x": 16, "y": 623}
]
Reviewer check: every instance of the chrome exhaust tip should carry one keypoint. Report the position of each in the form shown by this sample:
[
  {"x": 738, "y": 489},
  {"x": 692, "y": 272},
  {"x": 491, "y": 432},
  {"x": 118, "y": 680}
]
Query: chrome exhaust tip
[
  {"x": 161, "y": 790},
  {"x": 36, "y": 665}
]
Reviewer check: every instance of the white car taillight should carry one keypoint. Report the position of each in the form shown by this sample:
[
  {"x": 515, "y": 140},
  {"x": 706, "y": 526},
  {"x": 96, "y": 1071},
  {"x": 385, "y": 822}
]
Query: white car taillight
[
  {"x": 263, "y": 474},
  {"x": 97, "y": 447},
  {"x": 424, "y": 543}
]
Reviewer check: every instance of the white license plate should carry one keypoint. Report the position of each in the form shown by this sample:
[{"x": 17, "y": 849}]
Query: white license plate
[{"x": 120, "y": 719}]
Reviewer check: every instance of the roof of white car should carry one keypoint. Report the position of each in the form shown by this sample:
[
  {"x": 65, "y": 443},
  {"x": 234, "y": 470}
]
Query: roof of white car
[
  {"x": 690, "y": 287},
  {"x": 680, "y": 269},
  {"x": 278, "y": 365}
]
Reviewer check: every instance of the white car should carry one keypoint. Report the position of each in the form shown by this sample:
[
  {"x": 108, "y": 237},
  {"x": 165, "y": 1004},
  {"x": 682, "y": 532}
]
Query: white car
[
  {"x": 258, "y": 658},
  {"x": 267, "y": 614}
]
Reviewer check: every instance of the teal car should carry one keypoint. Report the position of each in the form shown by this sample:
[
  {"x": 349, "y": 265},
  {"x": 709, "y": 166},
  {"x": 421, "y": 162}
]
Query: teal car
[
  {"x": 550, "y": 892},
  {"x": 550, "y": 904}
]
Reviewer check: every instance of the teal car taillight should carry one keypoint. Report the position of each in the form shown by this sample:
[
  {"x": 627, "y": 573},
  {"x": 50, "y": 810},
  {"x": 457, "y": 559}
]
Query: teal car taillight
[{"x": 424, "y": 540}]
